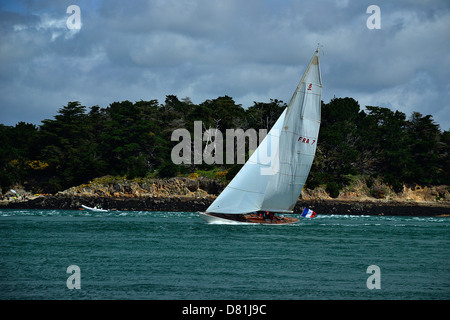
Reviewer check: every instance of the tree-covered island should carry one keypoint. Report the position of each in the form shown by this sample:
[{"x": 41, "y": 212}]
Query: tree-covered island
[{"x": 372, "y": 145}]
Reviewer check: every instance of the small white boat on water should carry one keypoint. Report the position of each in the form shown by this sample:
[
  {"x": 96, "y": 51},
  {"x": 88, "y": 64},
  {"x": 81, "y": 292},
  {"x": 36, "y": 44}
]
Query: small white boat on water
[{"x": 94, "y": 209}]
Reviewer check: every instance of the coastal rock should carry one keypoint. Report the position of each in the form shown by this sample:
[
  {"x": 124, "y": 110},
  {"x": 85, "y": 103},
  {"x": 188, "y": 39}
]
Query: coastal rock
[
  {"x": 192, "y": 204},
  {"x": 115, "y": 187},
  {"x": 197, "y": 193},
  {"x": 426, "y": 193}
]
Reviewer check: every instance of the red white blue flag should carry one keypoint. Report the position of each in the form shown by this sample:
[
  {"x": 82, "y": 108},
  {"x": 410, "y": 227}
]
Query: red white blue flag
[{"x": 308, "y": 213}]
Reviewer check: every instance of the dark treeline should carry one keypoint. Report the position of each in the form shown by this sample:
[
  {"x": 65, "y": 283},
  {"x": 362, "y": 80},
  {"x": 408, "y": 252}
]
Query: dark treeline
[{"x": 134, "y": 139}]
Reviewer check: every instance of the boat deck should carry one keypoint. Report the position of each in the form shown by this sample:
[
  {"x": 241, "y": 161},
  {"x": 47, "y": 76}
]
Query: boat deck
[{"x": 253, "y": 218}]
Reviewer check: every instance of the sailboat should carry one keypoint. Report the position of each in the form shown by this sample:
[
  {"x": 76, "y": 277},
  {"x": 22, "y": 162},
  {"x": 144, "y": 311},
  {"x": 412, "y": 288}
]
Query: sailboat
[{"x": 270, "y": 182}]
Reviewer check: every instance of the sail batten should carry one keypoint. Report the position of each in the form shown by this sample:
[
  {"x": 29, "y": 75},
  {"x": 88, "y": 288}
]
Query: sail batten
[{"x": 273, "y": 178}]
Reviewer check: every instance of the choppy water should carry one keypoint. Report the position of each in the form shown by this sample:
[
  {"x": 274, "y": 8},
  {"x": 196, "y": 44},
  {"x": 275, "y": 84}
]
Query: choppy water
[{"x": 176, "y": 256}]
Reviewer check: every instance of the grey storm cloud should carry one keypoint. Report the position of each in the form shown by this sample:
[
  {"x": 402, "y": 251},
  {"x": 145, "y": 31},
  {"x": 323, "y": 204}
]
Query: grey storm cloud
[{"x": 253, "y": 50}]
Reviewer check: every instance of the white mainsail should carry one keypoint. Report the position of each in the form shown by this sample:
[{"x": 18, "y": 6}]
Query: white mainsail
[{"x": 273, "y": 177}]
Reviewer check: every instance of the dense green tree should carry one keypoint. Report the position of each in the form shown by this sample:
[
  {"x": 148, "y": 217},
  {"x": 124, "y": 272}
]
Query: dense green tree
[
  {"x": 7, "y": 150},
  {"x": 66, "y": 145},
  {"x": 226, "y": 113},
  {"x": 337, "y": 153},
  {"x": 384, "y": 137},
  {"x": 128, "y": 139},
  {"x": 444, "y": 158},
  {"x": 134, "y": 139},
  {"x": 423, "y": 138},
  {"x": 264, "y": 115}
]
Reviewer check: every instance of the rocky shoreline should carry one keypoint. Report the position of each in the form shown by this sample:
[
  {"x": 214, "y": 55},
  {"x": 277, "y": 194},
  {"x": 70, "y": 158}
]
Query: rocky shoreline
[
  {"x": 191, "y": 194},
  {"x": 194, "y": 204}
]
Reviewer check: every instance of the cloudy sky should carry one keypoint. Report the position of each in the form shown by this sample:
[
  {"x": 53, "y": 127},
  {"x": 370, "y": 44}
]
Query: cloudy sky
[{"x": 251, "y": 50}]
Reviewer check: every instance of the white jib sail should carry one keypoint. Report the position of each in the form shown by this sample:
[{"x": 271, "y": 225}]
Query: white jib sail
[{"x": 274, "y": 176}]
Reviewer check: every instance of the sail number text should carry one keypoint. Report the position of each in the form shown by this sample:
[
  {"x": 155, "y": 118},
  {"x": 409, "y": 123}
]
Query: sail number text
[{"x": 306, "y": 140}]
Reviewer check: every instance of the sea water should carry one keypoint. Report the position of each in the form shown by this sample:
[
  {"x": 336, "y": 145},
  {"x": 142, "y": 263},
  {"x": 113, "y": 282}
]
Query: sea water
[{"x": 177, "y": 256}]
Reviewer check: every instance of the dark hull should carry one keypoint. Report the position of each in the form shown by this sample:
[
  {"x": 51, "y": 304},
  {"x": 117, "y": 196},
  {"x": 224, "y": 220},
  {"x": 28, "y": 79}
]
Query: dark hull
[{"x": 246, "y": 218}]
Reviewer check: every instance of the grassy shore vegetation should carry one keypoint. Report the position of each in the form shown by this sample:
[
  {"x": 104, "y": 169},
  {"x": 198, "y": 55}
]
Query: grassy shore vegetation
[{"x": 134, "y": 140}]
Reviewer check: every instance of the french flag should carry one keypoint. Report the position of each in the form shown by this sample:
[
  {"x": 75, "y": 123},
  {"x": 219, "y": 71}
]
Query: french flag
[{"x": 308, "y": 213}]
